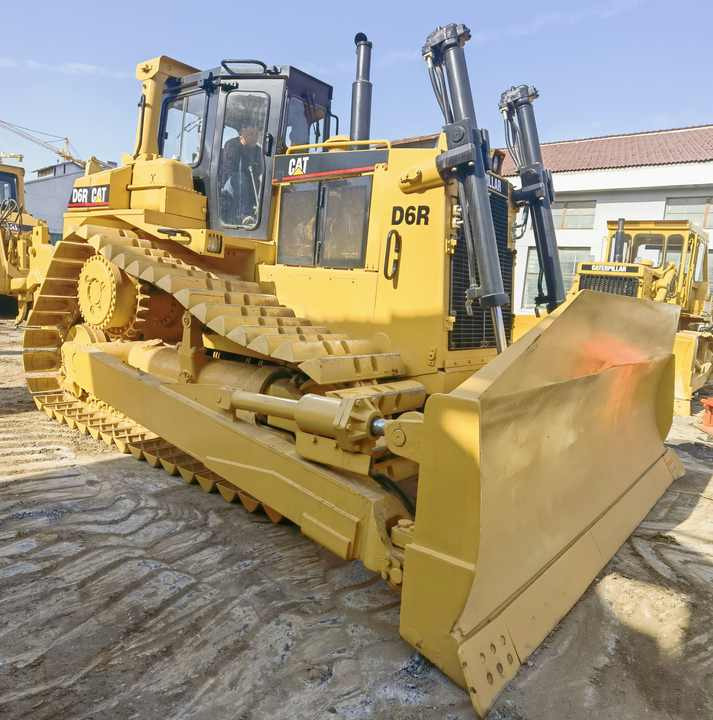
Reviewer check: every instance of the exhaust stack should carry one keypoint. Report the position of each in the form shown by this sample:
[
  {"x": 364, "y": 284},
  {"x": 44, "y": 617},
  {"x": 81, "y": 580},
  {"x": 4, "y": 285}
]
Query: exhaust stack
[
  {"x": 361, "y": 90},
  {"x": 619, "y": 242}
]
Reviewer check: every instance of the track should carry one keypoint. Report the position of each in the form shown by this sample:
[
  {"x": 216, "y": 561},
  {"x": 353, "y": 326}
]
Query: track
[
  {"x": 250, "y": 320},
  {"x": 96, "y": 419}
]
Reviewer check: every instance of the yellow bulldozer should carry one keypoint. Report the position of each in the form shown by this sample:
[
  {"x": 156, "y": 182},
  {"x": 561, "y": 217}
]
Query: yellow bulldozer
[
  {"x": 317, "y": 325},
  {"x": 665, "y": 261},
  {"x": 25, "y": 249}
]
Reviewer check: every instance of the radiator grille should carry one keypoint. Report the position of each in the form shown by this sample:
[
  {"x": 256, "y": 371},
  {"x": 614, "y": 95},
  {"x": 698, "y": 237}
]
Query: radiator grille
[
  {"x": 614, "y": 284},
  {"x": 476, "y": 330}
]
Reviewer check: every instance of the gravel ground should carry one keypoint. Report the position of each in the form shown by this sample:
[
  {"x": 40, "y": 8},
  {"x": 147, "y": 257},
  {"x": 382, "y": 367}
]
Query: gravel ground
[{"x": 126, "y": 594}]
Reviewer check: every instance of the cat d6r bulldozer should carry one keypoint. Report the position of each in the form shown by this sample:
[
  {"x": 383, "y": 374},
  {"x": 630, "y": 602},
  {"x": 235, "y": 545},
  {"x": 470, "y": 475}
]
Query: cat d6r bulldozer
[
  {"x": 665, "y": 261},
  {"x": 24, "y": 245},
  {"x": 318, "y": 325}
]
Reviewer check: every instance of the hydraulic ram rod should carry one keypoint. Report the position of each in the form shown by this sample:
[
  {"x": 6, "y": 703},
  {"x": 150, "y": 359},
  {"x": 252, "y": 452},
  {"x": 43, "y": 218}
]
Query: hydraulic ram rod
[
  {"x": 536, "y": 190},
  {"x": 466, "y": 160}
]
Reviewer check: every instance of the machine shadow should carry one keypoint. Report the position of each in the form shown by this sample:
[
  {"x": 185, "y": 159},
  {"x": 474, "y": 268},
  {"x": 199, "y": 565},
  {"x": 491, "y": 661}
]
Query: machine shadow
[
  {"x": 8, "y": 307},
  {"x": 15, "y": 399}
]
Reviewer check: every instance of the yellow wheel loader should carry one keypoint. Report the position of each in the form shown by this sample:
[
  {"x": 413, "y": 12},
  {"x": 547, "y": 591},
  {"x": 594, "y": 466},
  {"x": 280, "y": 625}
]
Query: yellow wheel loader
[
  {"x": 664, "y": 261},
  {"x": 318, "y": 326},
  {"x": 25, "y": 249}
]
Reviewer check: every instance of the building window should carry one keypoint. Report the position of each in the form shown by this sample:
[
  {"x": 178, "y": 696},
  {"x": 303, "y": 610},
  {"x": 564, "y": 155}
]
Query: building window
[
  {"x": 698, "y": 210},
  {"x": 574, "y": 214},
  {"x": 569, "y": 257}
]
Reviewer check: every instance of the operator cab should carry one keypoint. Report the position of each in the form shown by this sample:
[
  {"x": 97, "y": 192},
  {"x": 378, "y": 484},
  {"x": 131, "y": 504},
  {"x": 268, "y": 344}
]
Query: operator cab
[
  {"x": 229, "y": 123},
  {"x": 658, "y": 244}
]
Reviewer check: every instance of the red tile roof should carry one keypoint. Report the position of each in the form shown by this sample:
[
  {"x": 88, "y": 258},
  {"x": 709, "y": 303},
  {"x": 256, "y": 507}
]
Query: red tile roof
[{"x": 658, "y": 147}]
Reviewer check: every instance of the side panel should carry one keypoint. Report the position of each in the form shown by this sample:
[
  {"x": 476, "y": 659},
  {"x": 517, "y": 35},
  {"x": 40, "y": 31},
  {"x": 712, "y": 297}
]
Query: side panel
[
  {"x": 410, "y": 308},
  {"x": 405, "y": 293}
]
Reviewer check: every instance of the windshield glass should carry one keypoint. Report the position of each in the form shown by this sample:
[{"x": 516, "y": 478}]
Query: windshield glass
[
  {"x": 183, "y": 128},
  {"x": 647, "y": 246},
  {"x": 325, "y": 224},
  {"x": 242, "y": 162},
  {"x": 674, "y": 248},
  {"x": 305, "y": 122},
  {"x": 8, "y": 187},
  {"x": 298, "y": 224},
  {"x": 346, "y": 221},
  {"x": 701, "y": 266},
  {"x": 626, "y": 244}
]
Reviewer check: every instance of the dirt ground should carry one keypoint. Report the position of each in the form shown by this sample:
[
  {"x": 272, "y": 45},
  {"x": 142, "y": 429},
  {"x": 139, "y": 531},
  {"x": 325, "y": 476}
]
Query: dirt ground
[{"x": 126, "y": 594}]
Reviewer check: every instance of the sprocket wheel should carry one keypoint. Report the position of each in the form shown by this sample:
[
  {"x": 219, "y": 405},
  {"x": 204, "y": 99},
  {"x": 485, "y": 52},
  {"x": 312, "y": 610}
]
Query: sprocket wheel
[
  {"x": 107, "y": 297},
  {"x": 124, "y": 307}
]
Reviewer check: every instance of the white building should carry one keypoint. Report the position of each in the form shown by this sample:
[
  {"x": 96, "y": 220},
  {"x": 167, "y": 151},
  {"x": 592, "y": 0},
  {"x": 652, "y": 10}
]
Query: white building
[
  {"x": 665, "y": 174},
  {"x": 46, "y": 197}
]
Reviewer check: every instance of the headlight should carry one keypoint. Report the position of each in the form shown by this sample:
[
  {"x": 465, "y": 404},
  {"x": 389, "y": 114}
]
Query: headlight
[{"x": 214, "y": 243}]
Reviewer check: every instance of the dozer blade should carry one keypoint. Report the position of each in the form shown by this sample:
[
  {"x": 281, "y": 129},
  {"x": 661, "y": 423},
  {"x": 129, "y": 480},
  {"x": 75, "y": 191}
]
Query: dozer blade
[{"x": 538, "y": 468}]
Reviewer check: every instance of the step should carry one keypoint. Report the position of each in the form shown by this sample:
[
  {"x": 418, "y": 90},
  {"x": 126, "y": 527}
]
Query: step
[{"x": 351, "y": 368}]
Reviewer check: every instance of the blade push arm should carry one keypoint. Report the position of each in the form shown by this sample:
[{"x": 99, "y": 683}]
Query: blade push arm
[{"x": 536, "y": 193}]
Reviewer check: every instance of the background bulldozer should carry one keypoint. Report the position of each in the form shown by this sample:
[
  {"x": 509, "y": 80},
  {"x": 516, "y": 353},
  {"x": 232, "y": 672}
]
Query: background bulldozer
[
  {"x": 664, "y": 261},
  {"x": 319, "y": 325},
  {"x": 24, "y": 245}
]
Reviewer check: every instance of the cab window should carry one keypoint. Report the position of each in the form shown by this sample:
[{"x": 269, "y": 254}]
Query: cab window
[
  {"x": 649, "y": 247},
  {"x": 345, "y": 223},
  {"x": 183, "y": 128},
  {"x": 305, "y": 122},
  {"x": 700, "y": 263},
  {"x": 674, "y": 249},
  {"x": 625, "y": 248},
  {"x": 8, "y": 187},
  {"x": 298, "y": 224},
  {"x": 242, "y": 160},
  {"x": 325, "y": 224}
]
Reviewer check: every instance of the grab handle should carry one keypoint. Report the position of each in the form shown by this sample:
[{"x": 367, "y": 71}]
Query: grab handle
[{"x": 391, "y": 272}]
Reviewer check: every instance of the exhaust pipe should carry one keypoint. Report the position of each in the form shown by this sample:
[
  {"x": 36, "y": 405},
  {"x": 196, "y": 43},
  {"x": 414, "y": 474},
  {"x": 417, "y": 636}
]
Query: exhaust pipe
[
  {"x": 619, "y": 242},
  {"x": 361, "y": 90}
]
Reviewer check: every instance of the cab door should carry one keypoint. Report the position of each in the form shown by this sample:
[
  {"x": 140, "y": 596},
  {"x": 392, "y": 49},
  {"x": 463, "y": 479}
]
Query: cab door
[{"x": 248, "y": 121}]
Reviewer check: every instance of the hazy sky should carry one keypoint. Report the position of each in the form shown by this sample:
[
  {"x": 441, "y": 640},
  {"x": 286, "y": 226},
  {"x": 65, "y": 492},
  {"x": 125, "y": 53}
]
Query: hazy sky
[{"x": 601, "y": 67}]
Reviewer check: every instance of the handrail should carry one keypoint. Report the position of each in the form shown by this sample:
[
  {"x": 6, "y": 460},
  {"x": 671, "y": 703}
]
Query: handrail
[
  {"x": 337, "y": 143},
  {"x": 266, "y": 70}
]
